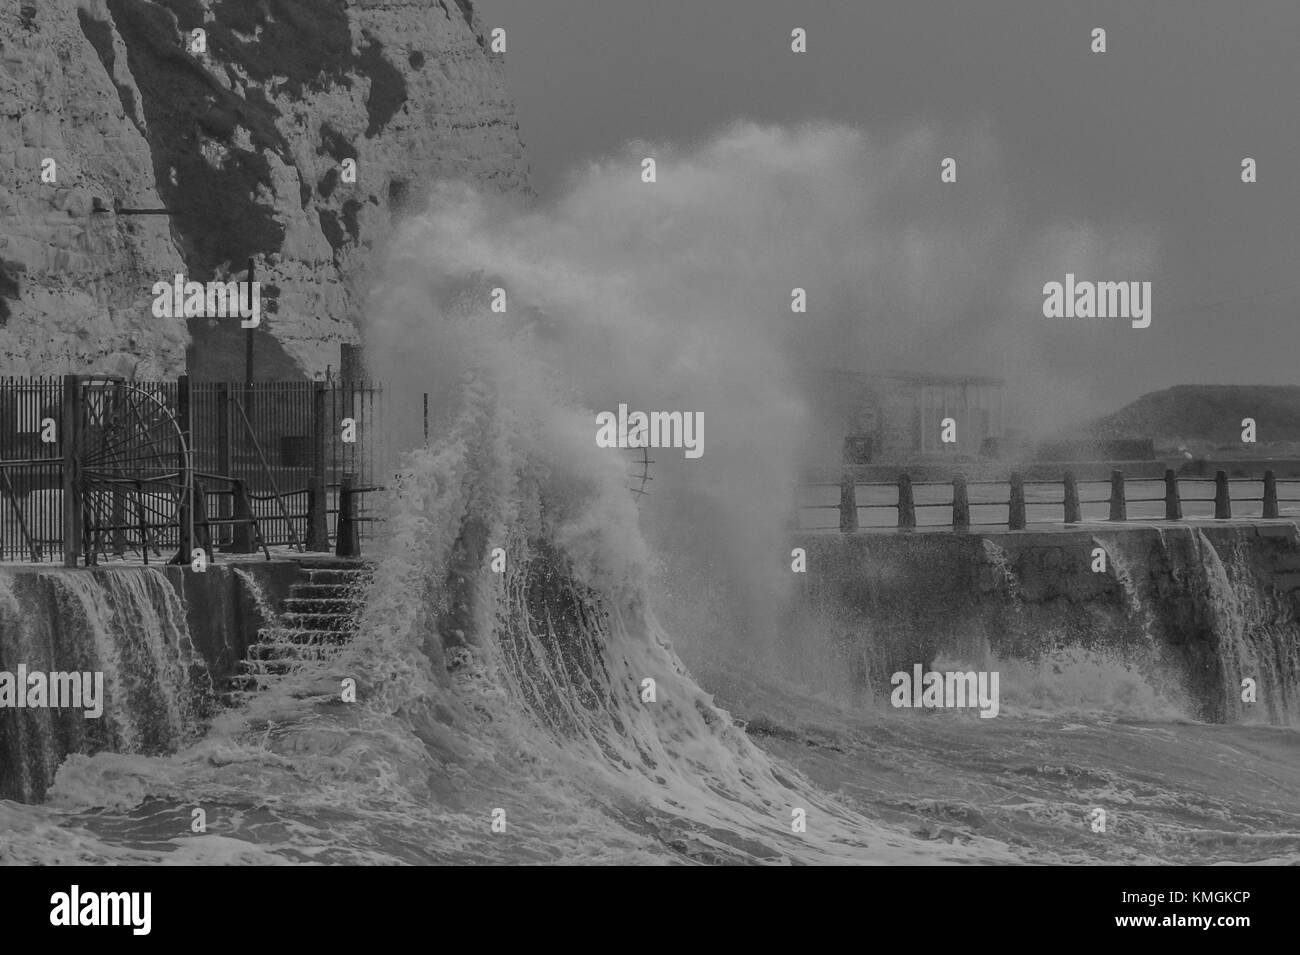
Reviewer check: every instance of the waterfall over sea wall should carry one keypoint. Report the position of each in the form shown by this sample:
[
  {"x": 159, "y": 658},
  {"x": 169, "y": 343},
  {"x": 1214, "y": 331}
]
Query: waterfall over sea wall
[
  {"x": 1188, "y": 612},
  {"x": 128, "y": 624}
]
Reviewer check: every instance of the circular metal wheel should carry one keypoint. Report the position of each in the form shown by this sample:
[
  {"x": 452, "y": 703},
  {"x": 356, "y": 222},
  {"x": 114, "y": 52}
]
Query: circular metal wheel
[{"x": 136, "y": 477}]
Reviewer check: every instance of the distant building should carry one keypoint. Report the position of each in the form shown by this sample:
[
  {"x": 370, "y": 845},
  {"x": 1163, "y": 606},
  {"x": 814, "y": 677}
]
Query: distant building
[{"x": 897, "y": 416}]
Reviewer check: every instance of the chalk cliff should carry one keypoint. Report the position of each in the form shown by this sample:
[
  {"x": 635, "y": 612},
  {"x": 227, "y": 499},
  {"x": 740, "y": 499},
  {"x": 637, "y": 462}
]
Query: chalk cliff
[{"x": 242, "y": 138}]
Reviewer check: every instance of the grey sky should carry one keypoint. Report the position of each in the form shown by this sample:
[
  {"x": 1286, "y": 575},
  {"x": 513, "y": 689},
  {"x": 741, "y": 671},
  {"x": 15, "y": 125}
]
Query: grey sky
[{"x": 1149, "y": 135}]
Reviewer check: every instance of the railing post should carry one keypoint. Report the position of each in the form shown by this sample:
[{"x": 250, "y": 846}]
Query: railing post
[
  {"x": 142, "y": 521},
  {"x": 347, "y": 536},
  {"x": 241, "y": 537},
  {"x": 1072, "y": 515},
  {"x": 317, "y": 502},
  {"x": 186, "y": 530},
  {"x": 1222, "y": 498},
  {"x": 317, "y": 522},
  {"x": 848, "y": 504},
  {"x": 1270, "y": 494},
  {"x": 225, "y": 458},
  {"x": 960, "y": 504},
  {"x": 1016, "y": 511},
  {"x": 1118, "y": 506},
  {"x": 202, "y": 532},
  {"x": 906, "y": 503},
  {"x": 70, "y": 441},
  {"x": 183, "y": 418},
  {"x": 194, "y": 526},
  {"x": 1173, "y": 501},
  {"x": 118, "y": 519}
]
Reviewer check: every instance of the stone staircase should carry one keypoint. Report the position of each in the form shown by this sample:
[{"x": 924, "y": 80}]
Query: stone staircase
[{"x": 316, "y": 622}]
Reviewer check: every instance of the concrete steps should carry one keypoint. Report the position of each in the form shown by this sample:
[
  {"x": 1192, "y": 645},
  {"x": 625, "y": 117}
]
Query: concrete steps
[{"x": 316, "y": 622}]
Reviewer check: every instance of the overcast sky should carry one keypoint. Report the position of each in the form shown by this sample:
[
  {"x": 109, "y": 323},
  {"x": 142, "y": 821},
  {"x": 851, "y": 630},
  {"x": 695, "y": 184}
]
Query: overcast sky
[{"x": 1143, "y": 141}]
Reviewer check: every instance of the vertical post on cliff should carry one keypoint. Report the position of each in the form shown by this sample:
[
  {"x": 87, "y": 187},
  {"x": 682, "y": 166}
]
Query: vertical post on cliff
[
  {"x": 1270, "y": 495},
  {"x": 248, "y": 338},
  {"x": 426, "y": 419},
  {"x": 960, "y": 504},
  {"x": 70, "y": 439},
  {"x": 848, "y": 504},
  {"x": 248, "y": 355},
  {"x": 1173, "y": 501},
  {"x": 1222, "y": 497},
  {"x": 1071, "y": 498},
  {"x": 1016, "y": 510},
  {"x": 1118, "y": 505},
  {"x": 906, "y": 503}
]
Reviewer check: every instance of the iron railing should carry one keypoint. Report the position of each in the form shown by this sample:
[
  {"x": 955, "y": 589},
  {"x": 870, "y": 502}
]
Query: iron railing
[
  {"x": 901, "y": 497},
  {"x": 95, "y": 467}
]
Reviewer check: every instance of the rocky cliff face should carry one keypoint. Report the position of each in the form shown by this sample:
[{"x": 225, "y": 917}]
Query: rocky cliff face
[{"x": 243, "y": 139}]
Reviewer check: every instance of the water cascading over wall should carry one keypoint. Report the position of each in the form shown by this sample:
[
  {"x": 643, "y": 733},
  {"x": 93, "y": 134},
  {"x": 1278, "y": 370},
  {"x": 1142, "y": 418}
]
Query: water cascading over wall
[
  {"x": 1194, "y": 610},
  {"x": 128, "y": 623}
]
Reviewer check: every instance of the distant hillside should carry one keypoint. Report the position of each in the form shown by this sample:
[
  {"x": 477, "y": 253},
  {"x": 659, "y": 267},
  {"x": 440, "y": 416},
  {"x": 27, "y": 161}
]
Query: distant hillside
[{"x": 1206, "y": 414}]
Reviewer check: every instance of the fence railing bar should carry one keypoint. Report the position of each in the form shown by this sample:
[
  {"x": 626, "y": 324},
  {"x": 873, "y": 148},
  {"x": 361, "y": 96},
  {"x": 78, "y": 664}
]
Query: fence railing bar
[{"x": 266, "y": 468}]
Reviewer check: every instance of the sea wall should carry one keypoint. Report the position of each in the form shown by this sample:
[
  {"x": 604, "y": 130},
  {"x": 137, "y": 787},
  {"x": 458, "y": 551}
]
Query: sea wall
[
  {"x": 1194, "y": 608},
  {"x": 164, "y": 637}
]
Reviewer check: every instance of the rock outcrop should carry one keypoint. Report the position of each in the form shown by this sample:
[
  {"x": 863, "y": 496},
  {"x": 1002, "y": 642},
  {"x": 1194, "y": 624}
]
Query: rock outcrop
[{"x": 241, "y": 134}]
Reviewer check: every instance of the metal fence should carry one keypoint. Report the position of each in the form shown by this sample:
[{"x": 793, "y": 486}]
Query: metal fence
[
  {"x": 277, "y": 438},
  {"x": 31, "y": 469},
  {"x": 95, "y": 467}
]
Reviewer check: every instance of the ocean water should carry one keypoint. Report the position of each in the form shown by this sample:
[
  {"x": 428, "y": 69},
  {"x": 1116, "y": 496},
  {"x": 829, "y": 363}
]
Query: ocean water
[
  {"x": 504, "y": 716},
  {"x": 519, "y": 698}
]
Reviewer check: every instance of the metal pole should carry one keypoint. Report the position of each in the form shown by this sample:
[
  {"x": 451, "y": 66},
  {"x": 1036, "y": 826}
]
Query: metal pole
[
  {"x": 317, "y": 525},
  {"x": 248, "y": 336},
  {"x": 347, "y": 536},
  {"x": 225, "y": 458},
  {"x": 70, "y": 435}
]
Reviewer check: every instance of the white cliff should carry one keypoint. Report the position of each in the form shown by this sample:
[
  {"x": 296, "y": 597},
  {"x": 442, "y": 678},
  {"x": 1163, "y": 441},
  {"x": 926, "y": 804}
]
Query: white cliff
[{"x": 244, "y": 143}]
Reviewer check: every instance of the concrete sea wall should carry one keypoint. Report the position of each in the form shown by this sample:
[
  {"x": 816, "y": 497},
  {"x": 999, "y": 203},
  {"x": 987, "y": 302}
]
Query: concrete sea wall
[
  {"x": 165, "y": 638},
  {"x": 1195, "y": 608}
]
